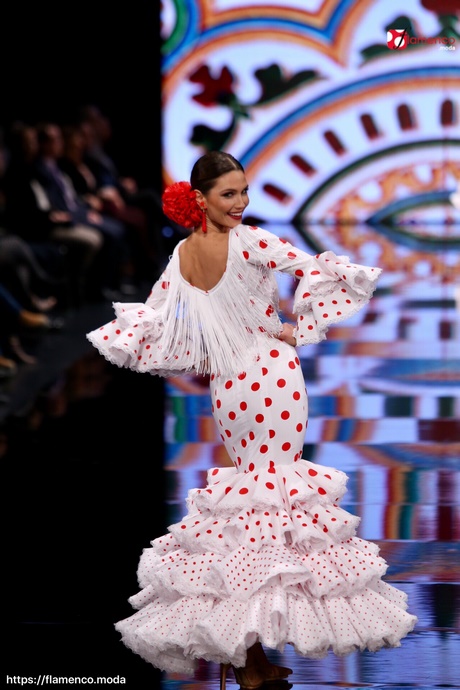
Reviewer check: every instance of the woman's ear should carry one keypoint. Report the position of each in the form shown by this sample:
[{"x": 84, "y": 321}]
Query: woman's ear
[{"x": 200, "y": 200}]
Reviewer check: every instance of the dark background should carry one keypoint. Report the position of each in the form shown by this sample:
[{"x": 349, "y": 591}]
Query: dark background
[
  {"x": 74, "y": 523},
  {"x": 55, "y": 56}
]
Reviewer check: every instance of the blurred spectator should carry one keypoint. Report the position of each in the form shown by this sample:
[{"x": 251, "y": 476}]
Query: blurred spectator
[
  {"x": 63, "y": 245},
  {"x": 64, "y": 197},
  {"x": 122, "y": 190},
  {"x": 23, "y": 275},
  {"x": 105, "y": 200},
  {"x": 16, "y": 320}
]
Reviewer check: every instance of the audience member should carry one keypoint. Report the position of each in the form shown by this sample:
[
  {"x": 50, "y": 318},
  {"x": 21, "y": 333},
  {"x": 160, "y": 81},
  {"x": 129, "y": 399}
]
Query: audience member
[
  {"x": 15, "y": 321},
  {"x": 105, "y": 200},
  {"x": 64, "y": 246},
  {"x": 23, "y": 275},
  {"x": 67, "y": 215},
  {"x": 123, "y": 191},
  {"x": 63, "y": 197}
]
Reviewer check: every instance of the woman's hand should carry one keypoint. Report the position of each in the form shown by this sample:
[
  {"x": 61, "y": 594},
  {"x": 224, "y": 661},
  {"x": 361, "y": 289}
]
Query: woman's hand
[{"x": 288, "y": 334}]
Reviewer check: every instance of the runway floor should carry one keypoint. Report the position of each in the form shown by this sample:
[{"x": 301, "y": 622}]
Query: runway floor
[{"x": 97, "y": 462}]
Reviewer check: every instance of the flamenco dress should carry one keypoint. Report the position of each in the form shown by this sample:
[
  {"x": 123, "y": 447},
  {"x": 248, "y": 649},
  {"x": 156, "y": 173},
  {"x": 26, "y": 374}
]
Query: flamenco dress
[{"x": 264, "y": 552}]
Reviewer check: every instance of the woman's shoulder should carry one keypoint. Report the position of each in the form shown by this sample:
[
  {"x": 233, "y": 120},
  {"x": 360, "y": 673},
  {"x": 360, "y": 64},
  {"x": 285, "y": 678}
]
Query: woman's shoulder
[
  {"x": 253, "y": 235},
  {"x": 249, "y": 232}
]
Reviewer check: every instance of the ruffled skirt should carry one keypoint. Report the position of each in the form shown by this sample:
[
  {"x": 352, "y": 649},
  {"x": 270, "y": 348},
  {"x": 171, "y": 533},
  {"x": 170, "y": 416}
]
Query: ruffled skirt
[{"x": 265, "y": 552}]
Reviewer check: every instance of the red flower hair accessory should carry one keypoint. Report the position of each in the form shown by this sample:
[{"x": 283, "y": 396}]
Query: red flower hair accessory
[{"x": 181, "y": 206}]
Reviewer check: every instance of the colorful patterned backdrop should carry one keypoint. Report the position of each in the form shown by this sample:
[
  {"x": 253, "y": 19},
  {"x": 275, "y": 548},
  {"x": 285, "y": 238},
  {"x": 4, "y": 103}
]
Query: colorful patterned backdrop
[{"x": 333, "y": 122}]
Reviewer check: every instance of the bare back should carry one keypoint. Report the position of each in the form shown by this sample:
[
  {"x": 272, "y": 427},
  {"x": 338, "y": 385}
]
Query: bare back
[{"x": 203, "y": 259}]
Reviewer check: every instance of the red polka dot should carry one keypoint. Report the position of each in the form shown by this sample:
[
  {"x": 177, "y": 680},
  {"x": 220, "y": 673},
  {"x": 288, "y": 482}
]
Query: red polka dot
[
  {"x": 268, "y": 402},
  {"x": 264, "y": 448},
  {"x": 269, "y": 485},
  {"x": 285, "y": 414},
  {"x": 259, "y": 418},
  {"x": 274, "y": 353},
  {"x": 281, "y": 383},
  {"x": 243, "y": 406},
  {"x": 255, "y": 386}
]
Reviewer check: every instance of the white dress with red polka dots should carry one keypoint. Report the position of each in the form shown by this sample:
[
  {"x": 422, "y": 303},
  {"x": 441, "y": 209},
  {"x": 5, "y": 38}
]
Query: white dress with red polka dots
[{"x": 264, "y": 552}]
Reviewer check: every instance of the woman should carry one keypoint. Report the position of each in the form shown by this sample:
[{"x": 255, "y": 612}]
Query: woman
[{"x": 264, "y": 555}]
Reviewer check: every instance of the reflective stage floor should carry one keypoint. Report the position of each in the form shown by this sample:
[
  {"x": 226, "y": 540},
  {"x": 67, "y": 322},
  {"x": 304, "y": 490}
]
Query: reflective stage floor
[{"x": 98, "y": 461}]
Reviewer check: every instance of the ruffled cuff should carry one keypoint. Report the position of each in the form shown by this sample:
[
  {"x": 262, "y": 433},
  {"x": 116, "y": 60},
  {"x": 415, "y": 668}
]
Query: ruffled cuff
[
  {"x": 333, "y": 289},
  {"x": 125, "y": 340}
]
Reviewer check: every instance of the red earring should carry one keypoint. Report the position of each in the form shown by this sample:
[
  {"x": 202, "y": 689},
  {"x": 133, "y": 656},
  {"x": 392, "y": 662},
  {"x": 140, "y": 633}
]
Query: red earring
[{"x": 203, "y": 220}]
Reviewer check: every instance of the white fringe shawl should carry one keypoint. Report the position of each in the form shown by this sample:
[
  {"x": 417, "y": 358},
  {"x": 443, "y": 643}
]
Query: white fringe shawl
[{"x": 216, "y": 331}]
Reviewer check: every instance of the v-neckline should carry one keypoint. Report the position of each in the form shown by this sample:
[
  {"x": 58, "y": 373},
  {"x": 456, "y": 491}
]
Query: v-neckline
[{"x": 221, "y": 279}]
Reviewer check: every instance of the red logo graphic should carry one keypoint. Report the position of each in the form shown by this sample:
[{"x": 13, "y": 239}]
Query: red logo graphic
[{"x": 397, "y": 39}]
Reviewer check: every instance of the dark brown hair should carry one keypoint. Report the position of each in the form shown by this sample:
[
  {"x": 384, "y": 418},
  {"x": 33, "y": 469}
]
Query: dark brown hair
[{"x": 210, "y": 167}]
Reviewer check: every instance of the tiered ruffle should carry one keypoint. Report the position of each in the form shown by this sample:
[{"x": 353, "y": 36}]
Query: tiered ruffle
[{"x": 283, "y": 566}]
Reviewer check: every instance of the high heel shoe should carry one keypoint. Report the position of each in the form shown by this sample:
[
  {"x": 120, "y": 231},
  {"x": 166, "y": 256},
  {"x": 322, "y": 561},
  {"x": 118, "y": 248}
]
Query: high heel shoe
[
  {"x": 271, "y": 672},
  {"x": 242, "y": 677},
  {"x": 223, "y": 675}
]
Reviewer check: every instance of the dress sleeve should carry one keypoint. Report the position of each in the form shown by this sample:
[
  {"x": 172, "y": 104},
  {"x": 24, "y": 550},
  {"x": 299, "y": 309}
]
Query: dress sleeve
[
  {"x": 330, "y": 288},
  {"x": 132, "y": 337}
]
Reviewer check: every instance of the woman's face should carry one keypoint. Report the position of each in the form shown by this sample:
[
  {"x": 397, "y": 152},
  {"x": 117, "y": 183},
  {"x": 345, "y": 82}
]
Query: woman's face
[{"x": 227, "y": 200}]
